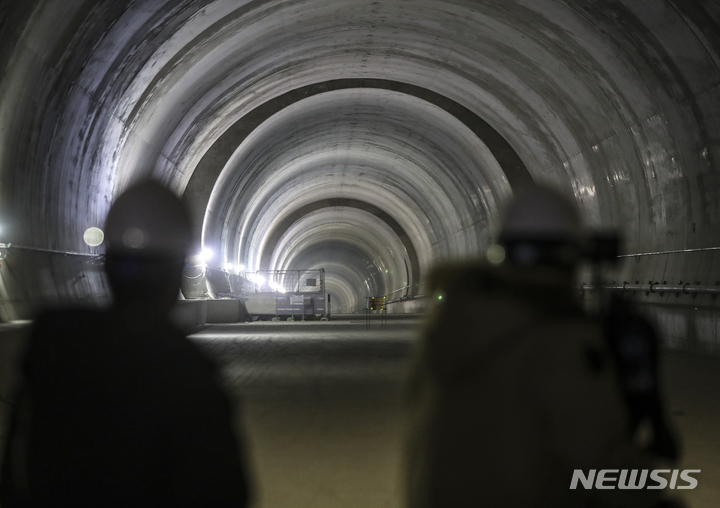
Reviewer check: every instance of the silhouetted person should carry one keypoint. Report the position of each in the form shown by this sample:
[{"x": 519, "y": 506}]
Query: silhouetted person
[
  {"x": 117, "y": 408},
  {"x": 514, "y": 387}
]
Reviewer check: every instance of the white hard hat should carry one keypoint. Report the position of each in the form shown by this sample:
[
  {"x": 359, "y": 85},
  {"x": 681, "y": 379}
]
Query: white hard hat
[
  {"x": 541, "y": 214},
  {"x": 148, "y": 220}
]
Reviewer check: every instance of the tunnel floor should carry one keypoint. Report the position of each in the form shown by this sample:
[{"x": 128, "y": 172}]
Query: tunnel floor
[{"x": 322, "y": 409}]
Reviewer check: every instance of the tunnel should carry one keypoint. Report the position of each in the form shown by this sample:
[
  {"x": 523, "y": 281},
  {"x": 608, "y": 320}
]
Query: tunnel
[
  {"x": 372, "y": 139},
  {"x": 358, "y": 135}
]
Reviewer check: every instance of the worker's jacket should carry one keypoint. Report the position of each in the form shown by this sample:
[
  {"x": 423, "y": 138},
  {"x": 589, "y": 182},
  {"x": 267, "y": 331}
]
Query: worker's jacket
[
  {"x": 110, "y": 415},
  {"x": 512, "y": 391}
]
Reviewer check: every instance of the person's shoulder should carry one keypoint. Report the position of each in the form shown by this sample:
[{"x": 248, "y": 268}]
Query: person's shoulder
[
  {"x": 68, "y": 317},
  {"x": 57, "y": 335},
  {"x": 462, "y": 274},
  {"x": 480, "y": 274},
  {"x": 187, "y": 353}
]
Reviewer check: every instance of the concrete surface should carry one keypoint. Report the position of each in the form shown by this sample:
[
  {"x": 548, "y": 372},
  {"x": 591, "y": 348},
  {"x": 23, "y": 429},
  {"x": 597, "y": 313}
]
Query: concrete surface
[
  {"x": 370, "y": 138},
  {"x": 322, "y": 409},
  {"x": 188, "y": 314},
  {"x": 225, "y": 311},
  {"x": 322, "y": 403}
]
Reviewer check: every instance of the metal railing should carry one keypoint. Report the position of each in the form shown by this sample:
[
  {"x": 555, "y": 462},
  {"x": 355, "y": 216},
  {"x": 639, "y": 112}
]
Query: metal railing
[
  {"x": 660, "y": 253},
  {"x": 656, "y": 287},
  {"x": 406, "y": 297},
  {"x": 11, "y": 246},
  {"x": 290, "y": 281}
]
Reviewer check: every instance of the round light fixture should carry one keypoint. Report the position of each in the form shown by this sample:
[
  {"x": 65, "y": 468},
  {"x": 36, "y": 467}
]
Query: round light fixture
[{"x": 94, "y": 236}]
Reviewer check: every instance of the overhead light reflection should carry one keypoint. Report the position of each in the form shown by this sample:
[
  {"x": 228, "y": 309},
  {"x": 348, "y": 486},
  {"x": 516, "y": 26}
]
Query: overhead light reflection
[
  {"x": 205, "y": 255},
  {"x": 257, "y": 279},
  {"x": 276, "y": 287}
]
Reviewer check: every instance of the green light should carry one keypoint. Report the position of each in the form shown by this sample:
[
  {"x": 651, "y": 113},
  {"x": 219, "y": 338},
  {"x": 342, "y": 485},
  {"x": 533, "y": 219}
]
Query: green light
[
  {"x": 386, "y": 271},
  {"x": 440, "y": 297}
]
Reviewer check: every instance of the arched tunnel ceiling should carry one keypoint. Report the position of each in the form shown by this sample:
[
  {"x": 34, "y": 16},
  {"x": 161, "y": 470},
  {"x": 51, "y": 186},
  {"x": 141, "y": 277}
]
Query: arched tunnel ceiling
[
  {"x": 428, "y": 111},
  {"x": 197, "y": 193},
  {"x": 357, "y": 240},
  {"x": 420, "y": 166},
  {"x": 398, "y": 233}
]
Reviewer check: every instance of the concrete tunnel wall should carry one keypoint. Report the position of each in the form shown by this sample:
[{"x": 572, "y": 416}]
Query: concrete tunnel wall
[{"x": 423, "y": 114}]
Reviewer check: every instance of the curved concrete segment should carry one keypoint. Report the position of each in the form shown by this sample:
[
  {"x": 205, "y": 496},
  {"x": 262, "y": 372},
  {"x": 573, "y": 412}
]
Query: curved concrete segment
[
  {"x": 427, "y": 111},
  {"x": 199, "y": 187},
  {"x": 365, "y": 136},
  {"x": 410, "y": 258},
  {"x": 345, "y": 237},
  {"x": 435, "y": 180}
]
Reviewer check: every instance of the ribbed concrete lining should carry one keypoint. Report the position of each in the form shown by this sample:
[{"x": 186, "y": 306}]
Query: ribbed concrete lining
[
  {"x": 342, "y": 258},
  {"x": 405, "y": 244},
  {"x": 358, "y": 144},
  {"x": 616, "y": 101},
  {"x": 376, "y": 253},
  {"x": 197, "y": 193}
]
